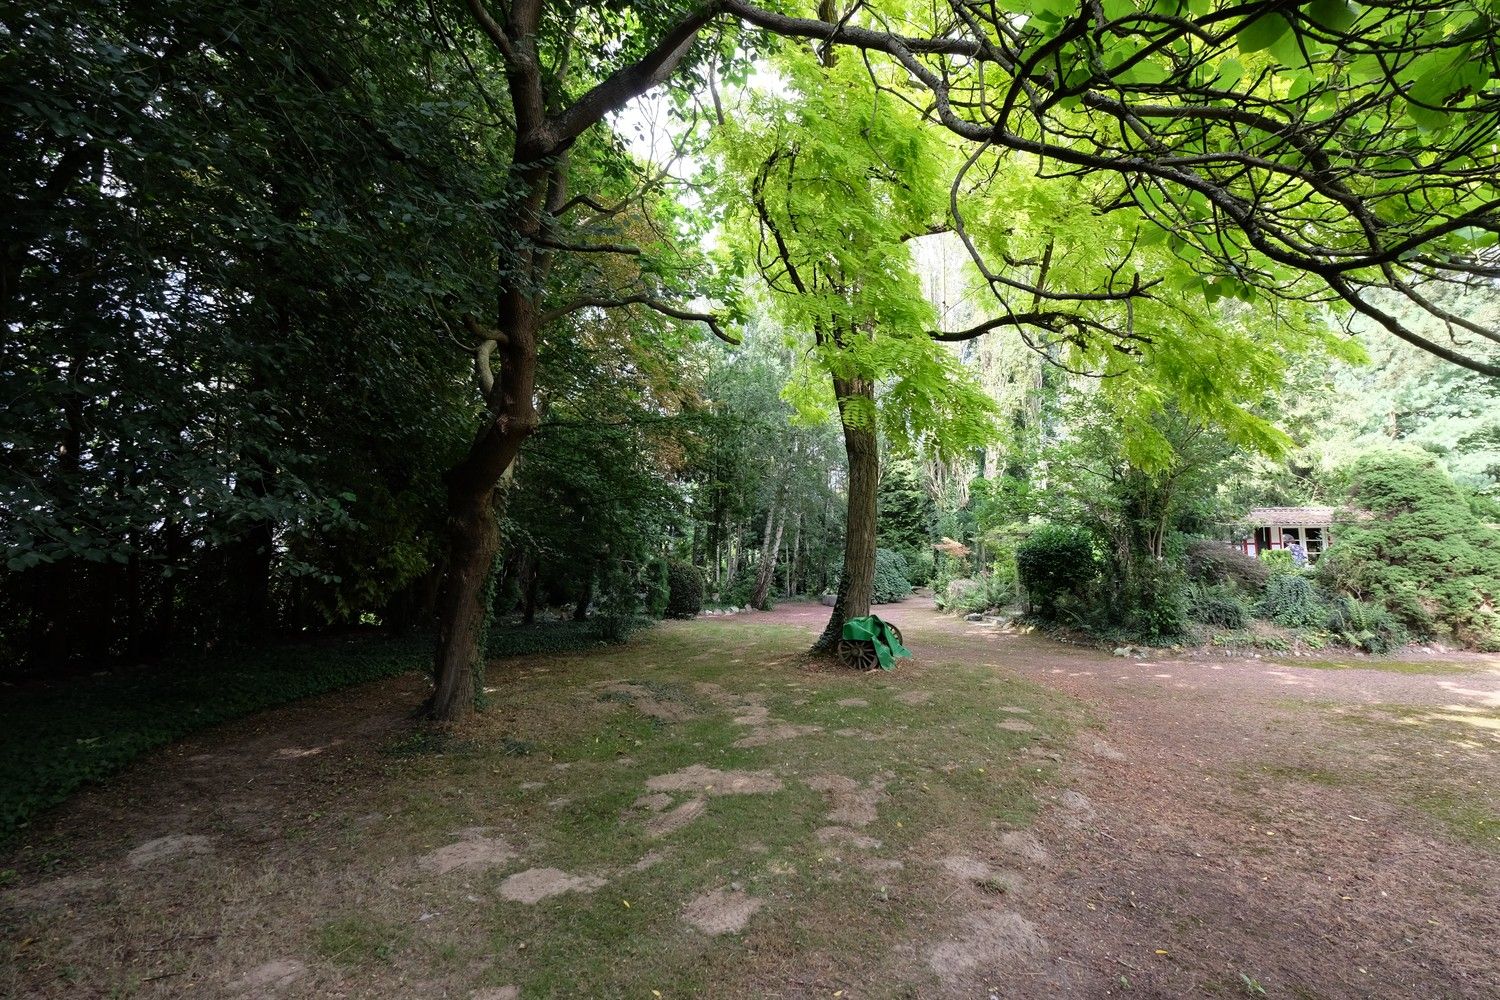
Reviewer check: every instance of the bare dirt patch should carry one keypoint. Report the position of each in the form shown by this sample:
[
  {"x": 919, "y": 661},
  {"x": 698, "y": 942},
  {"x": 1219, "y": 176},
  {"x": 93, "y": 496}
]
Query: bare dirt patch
[
  {"x": 498, "y": 993},
  {"x": 853, "y": 703},
  {"x": 852, "y": 804},
  {"x": 171, "y": 846},
  {"x": 675, "y": 819},
  {"x": 646, "y": 701},
  {"x": 537, "y": 884},
  {"x": 914, "y": 697},
  {"x": 723, "y": 911},
  {"x": 271, "y": 977},
  {"x": 711, "y": 781},
  {"x": 775, "y": 733},
  {"x": 992, "y": 939},
  {"x": 474, "y": 851}
]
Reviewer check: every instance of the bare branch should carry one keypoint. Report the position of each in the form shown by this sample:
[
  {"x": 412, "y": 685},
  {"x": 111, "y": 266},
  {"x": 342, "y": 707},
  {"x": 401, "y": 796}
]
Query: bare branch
[{"x": 666, "y": 309}]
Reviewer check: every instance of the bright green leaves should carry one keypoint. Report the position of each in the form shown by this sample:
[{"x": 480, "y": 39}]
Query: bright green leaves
[{"x": 821, "y": 188}]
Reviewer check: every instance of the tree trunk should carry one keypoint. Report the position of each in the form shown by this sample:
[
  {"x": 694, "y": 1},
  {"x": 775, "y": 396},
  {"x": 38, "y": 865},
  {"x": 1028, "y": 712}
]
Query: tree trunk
[
  {"x": 857, "y": 582},
  {"x": 473, "y": 530},
  {"x": 732, "y": 560},
  {"x": 791, "y": 566},
  {"x": 473, "y": 539},
  {"x": 769, "y": 551}
]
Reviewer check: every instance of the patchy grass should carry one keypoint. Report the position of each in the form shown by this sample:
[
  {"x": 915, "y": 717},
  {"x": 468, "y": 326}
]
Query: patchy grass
[
  {"x": 550, "y": 778},
  {"x": 1425, "y": 740},
  {"x": 1410, "y": 667}
]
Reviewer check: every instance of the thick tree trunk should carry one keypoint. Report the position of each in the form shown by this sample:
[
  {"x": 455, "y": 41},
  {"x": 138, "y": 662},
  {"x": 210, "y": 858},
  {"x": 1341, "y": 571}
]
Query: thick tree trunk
[
  {"x": 473, "y": 539},
  {"x": 473, "y": 529},
  {"x": 857, "y": 582}
]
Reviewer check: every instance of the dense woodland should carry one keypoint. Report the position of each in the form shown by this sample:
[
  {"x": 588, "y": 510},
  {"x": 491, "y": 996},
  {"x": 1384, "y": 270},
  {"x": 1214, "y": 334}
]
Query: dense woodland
[{"x": 442, "y": 317}]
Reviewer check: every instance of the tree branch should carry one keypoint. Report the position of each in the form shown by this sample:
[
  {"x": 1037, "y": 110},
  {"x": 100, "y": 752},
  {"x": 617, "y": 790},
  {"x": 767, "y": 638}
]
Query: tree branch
[{"x": 654, "y": 304}]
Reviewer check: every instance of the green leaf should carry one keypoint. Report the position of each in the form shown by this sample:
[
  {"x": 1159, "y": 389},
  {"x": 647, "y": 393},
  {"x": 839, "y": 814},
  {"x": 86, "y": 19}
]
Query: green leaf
[{"x": 1262, "y": 33}]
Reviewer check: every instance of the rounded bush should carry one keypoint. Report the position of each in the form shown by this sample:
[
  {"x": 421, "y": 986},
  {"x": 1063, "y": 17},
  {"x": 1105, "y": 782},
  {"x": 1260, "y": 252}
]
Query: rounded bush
[
  {"x": 684, "y": 589},
  {"x": 1054, "y": 560}
]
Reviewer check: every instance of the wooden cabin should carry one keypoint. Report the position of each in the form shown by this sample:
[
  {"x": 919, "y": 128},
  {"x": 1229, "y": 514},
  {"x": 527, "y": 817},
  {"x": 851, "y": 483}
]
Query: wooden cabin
[{"x": 1272, "y": 528}]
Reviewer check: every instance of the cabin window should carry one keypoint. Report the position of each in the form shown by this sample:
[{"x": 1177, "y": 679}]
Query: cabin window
[{"x": 1313, "y": 539}]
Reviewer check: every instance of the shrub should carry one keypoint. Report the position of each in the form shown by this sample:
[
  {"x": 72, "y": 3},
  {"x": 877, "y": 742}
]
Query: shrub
[
  {"x": 1153, "y": 602},
  {"x": 657, "y": 583},
  {"x": 738, "y": 591},
  {"x": 684, "y": 589},
  {"x": 1218, "y": 605},
  {"x": 1419, "y": 550},
  {"x": 1212, "y": 562},
  {"x": 957, "y": 594},
  {"x": 1366, "y": 626},
  {"x": 1056, "y": 560},
  {"x": 1291, "y": 601},
  {"x": 891, "y": 583},
  {"x": 1278, "y": 561}
]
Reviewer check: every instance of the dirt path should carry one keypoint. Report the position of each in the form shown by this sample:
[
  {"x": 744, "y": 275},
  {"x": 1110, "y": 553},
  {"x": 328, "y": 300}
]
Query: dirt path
[{"x": 1242, "y": 825}]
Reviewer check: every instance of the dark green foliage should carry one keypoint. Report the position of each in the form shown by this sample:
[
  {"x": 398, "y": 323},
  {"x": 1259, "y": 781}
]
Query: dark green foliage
[
  {"x": 1054, "y": 561},
  {"x": 54, "y": 739},
  {"x": 905, "y": 520},
  {"x": 1420, "y": 552},
  {"x": 1367, "y": 626},
  {"x": 891, "y": 583},
  {"x": 1290, "y": 600},
  {"x": 657, "y": 583},
  {"x": 1210, "y": 561},
  {"x": 1216, "y": 604},
  {"x": 686, "y": 585},
  {"x": 228, "y": 233},
  {"x": 547, "y": 637},
  {"x": 1151, "y": 603}
]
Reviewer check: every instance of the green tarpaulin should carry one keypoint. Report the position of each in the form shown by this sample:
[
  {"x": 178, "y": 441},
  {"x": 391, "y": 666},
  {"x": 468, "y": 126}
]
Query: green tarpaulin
[{"x": 872, "y": 629}]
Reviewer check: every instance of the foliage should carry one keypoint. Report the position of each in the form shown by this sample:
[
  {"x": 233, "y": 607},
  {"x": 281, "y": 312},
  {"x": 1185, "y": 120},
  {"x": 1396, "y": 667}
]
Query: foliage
[
  {"x": 1290, "y": 600},
  {"x": 1054, "y": 561},
  {"x": 1216, "y": 604},
  {"x": 685, "y": 587},
  {"x": 904, "y": 522},
  {"x": 1417, "y": 549},
  {"x": 236, "y": 415},
  {"x": 56, "y": 738},
  {"x": 1151, "y": 603},
  {"x": 1278, "y": 562},
  {"x": 1210, "y": 561},
  {"x": 1367, "y": 626},
  {"x": 656, "y": 580},
  {"x": 891, "y": 583}
]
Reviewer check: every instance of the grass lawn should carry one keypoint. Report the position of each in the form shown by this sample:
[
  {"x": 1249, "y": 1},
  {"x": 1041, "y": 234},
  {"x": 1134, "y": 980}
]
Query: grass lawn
[{"x": 695, "y": 813}]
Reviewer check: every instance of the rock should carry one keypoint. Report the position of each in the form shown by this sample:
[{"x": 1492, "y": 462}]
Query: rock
[
  {"x": 974, "y": 618},
  {"x": 829, "y": 600},
  {"x": 1122, "y": 651}
]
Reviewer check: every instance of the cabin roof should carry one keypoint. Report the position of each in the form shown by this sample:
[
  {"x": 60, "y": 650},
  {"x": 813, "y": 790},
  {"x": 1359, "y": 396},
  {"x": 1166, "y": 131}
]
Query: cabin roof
[{"x": 1291, "y": 517}]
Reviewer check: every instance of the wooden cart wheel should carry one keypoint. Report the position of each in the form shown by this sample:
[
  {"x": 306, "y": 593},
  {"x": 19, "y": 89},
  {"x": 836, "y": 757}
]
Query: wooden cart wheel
[
  {"x": 897, "y": 631},
  {"x": 858, "y": 653}
]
